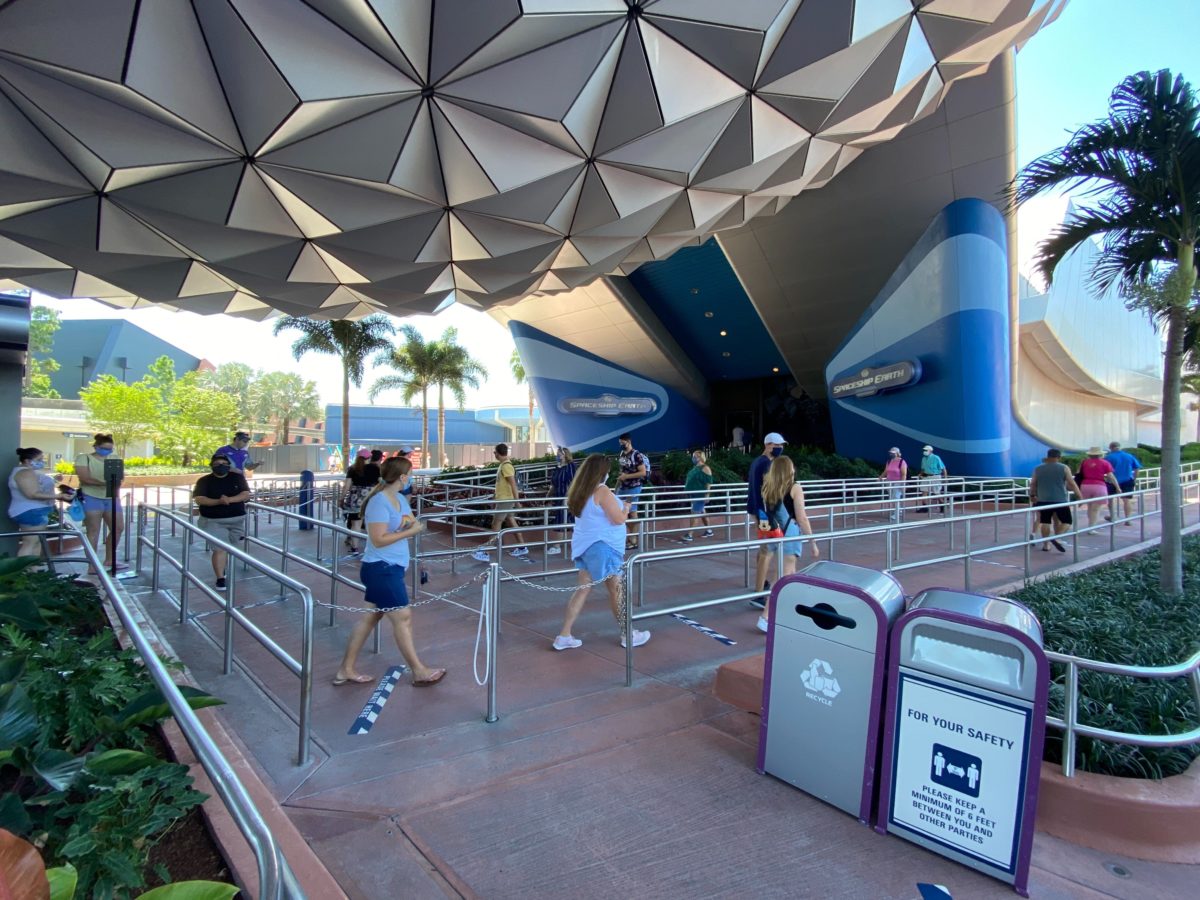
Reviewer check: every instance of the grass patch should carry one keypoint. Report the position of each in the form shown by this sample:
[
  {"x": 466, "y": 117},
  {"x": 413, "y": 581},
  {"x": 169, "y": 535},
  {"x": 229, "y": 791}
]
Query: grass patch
[{"x": 1116, "y": 613}]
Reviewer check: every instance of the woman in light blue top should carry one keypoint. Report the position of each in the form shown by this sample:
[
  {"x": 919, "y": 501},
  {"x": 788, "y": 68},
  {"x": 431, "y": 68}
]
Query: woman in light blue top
[
  {"x": 31, "y": 498},
  {"x": 597, "y": 545},
  {"x": 390, "y": 523}
]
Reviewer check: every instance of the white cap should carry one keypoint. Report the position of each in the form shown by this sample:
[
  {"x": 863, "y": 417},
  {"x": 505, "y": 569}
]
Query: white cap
[
  {"x": 927, "y": 447},
  {"x": 774, "y": 438},
  {"x": 894, "y": 450},
  {"x": 406, "y": 449}
]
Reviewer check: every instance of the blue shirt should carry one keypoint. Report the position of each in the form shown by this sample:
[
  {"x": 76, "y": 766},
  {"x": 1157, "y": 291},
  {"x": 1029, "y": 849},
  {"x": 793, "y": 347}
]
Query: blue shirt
[
  {"x": 380, "y": 509},
  {"x": 237, "y": 458},
  {"x": 932, "y": 464},
  {"x": 1125, "y": 465},
  {"x": 758, "y": 471}
]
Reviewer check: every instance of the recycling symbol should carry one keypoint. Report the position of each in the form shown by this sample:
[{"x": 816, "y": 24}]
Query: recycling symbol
[{"x": 819, "y": 679}]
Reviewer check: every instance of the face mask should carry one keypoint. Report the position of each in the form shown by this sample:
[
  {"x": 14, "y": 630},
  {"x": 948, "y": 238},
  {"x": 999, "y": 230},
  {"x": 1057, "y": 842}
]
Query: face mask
[
  {"x": 220, "y": 468},
  {"x": 104, "y": 451},
  {"x": 38, "y": 464},
  {"x": 926, "y": 452},
  {"x": 695, "y": 462},
  {"x": 776, "y": 451}
]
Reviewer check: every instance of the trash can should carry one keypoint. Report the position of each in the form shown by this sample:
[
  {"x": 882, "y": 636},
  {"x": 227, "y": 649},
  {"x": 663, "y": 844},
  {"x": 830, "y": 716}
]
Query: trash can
[
  {"x": 823, "y": 684},
  {"x": 966, "y": 716},
  {"x": 304, "y": 504}
]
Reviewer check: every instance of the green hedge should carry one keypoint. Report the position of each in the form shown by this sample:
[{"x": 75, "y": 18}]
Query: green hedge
[{"x": 1116, "y": 613}]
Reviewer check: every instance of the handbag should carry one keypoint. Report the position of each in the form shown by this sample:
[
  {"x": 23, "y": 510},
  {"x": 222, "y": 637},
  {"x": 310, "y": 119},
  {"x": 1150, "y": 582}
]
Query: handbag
[{"x": 75, "y": 509}]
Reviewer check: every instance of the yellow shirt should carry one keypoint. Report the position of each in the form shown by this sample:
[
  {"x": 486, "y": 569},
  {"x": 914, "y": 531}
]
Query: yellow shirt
[{"x": 504, "y": 490}]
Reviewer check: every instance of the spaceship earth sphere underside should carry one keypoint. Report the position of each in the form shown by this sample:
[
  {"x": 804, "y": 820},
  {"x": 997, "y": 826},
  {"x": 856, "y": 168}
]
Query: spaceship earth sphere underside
[{"x": 336, "y": 158}]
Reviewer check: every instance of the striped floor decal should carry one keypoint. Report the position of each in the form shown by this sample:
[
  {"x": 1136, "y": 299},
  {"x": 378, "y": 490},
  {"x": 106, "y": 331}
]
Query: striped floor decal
[
  {"x": 374, "y": 706},
  {"x": 715, "y": 635}
]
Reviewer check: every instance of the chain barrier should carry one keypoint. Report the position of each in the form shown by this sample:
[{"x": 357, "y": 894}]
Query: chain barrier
[{"x": 622, "y": 606}]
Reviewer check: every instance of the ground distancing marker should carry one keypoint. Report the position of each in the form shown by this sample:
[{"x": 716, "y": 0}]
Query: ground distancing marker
[
  {"x": 715, "y": 635},
  {"x": 374, "y": 706}
]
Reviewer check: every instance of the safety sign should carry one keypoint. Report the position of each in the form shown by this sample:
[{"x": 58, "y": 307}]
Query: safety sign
[{"x": 960, "y": 764}]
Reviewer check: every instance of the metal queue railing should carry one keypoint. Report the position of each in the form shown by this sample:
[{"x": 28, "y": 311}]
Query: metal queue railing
[
  {"x": 224, "y": 600},
  {"x": 276, "y": 881}
]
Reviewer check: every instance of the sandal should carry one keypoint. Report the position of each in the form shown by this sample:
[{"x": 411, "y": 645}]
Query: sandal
[
  {"x": 361, "y": 679},
  {"x": 438, "y": 675}
]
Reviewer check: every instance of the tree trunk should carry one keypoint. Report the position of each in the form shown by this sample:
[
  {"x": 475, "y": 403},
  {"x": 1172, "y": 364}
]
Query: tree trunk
[
  {"x": 1170, "y": 498},
  {"x": 345, "y": 416},
  {"x": 287, "y": 422},
  {"x": 425, "y": 423},
  {"x": 441, "y": 428},
  {"x": 531, "y": 425}
]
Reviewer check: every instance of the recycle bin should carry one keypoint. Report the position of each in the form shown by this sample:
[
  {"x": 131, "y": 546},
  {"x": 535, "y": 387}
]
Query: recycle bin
[
  {"x": 966, "y": 717},
  {"x": 304, "y": 504},
  {"x": 823, "y": 684}
]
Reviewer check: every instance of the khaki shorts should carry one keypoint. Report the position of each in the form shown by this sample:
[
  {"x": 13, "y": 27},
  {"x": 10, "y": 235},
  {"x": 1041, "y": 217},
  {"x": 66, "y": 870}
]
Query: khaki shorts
[{"x": 231, "y": 531}]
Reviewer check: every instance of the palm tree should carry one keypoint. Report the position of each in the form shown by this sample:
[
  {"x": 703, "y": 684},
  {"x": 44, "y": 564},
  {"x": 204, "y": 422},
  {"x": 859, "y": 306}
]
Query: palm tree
[
  {"x": 520, "y": 376},
  {"x": 1142, "y": 165},
  {"x": 284, "y": 397},
  {"x": 456, "y": 371},
  {"x": 416, "y": 362},
  {"x": 1191, "y": 384},
  {"x": 352, "y": 342}
]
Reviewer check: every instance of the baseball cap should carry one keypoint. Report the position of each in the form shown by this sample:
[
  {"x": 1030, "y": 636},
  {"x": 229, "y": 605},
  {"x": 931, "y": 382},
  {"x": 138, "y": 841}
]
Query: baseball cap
[
  {"x": 406, "y": 449},
  {"x": 241, "y": 436},
  {"x": 894, "y": 450},
  {"x": 926, "y": 447},
  {"x": 774, "y": 438},
  {"x": 364, "y": 453}
]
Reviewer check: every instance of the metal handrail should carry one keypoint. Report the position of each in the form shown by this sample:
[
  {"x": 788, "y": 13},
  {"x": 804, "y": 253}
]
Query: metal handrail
[
  {"x": 302, "y": 669},
  {"x": 276, "y": 881}
]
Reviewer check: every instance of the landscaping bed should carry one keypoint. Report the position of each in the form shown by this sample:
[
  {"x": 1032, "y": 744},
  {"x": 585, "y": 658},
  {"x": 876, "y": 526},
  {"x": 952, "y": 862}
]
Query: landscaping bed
[{"x": 1116, "y": 613}]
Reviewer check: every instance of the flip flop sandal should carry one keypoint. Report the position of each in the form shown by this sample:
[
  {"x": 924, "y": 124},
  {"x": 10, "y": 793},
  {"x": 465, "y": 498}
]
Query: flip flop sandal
[
  {"x": 438, "y": 675},
  {"x": 361, "y": 679}
]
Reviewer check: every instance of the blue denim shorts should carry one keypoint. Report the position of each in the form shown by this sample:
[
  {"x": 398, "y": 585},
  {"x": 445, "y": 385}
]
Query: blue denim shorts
[
  {"x": 600, "y": 561},
  {"x": 698, "y": 507},
  {"x": 630, "y": 494},
  {"x": 32, "y": 518},
  {"x": 99, "y": 504},
  {"x": 792, "y": 548},
  {"x": 385, "y": 586}
]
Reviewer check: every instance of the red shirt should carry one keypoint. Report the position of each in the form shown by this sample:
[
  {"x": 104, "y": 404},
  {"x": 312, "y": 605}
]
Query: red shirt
[{"x": 1093, "y": 469}]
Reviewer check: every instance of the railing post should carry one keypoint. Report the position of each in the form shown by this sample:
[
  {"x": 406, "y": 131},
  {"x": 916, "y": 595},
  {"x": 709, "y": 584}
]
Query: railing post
[
  {"x": 627, "y": 622},
  {"x": 154, "y": 553},
  {"x": 283, "y": 555},
  {"x": 887, "y": 554},
  {"x": 966, "y": 554},
  {"x": 1141, "y": 507},
  {"x": 1071, "y": 718},
  {"x": 492, "y": 608},
  {"x": 141, "y": 534},
  {"x": 306, "y": 676},
  {"x": 227, "y": 662},
  {"x": 184, "y": 584}
]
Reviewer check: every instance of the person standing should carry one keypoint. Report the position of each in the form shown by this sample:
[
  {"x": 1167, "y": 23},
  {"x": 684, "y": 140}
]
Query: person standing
[
  {"x": 773, "y": 446},
  {"x": 31, "y": 497},
  {"x": 361, "y": 478},
  {"x": 98, "y": 506},
  {"x": 507, "y": 499},
  {"x": 783, "y": 508},
  {"x": 933, "y": 479},
  {"x": 1095, "y": 475},
  {"x": 238, "y": 455},
  {"x": 596, "y": 546},
  {"x": 390, "y": 523},
  {"x": 1125, "y": 467},
  {"x": 699, "y": 480},
  {"x": 895, "y": 472},
  {"x": 222, "y": 498},
  {"x": 1049, "y": 489},
  {"x": 560, "y": 483},
  {"x": 635, "y": 467}
]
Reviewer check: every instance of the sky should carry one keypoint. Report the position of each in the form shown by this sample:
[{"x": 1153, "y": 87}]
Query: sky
[{"x": 1064, "y": 77}]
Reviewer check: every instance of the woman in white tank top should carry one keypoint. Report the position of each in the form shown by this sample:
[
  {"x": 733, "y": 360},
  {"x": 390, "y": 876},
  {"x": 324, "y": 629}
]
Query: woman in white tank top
[
  {"x": 31, "y": 497},
  {"x": 597, "y": 545}
]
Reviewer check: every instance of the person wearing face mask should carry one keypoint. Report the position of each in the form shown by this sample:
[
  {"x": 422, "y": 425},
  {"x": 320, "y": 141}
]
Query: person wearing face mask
[
  {"x": 697, "y": 484},
  {"x": 773, "y": 445},
  {"x": 933, "y": 476},
  {"x": 560, "y": 482},
  {"x": 238, "y": 455},
  {"x": 390, "y": 523},
  {"x": 93, "y": 494},
  {"x": 635, "y": 467},
  {"x": 31, "y": 497},
  {"x": 222, "y": 498},
  {"x": 895, "y": 473}
]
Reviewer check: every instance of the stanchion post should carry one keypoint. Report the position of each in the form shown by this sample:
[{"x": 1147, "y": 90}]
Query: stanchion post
[
  {"x": 493, "y": 637},
  {"x": 227, "y": 662},
  {"x": 154, "y": 552},
  {"x": 184, "y": 584}
]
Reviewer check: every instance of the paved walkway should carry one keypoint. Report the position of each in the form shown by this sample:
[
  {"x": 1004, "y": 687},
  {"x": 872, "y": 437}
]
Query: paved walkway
[{"x": 585, "y": 788}]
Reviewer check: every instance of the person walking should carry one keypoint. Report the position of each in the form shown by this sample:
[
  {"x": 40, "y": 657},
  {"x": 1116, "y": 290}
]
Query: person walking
[
  {"x": 1095, "y": 475},
  {"x": 635, "y": 467},
  {"x": 238, "y": 454},
  {"x": 698, "y": 480},
  {"x": 390, "y": 523},
  {"x": 560, "y": 482},
  {"x": 361, "y": 478},
  {"x": 895, "y": 472},
  {"x": 1049, "y": 487},
  {"x": 783, "y": 508},
  {"x": 597, "y": 546},
  {"x": 773, "y": 445},
  {"x": 31, "y": 494},
  {"x": 933, "y": 480},
  {"x": 507, "y": 499},
  {"x": 1125, "y": 468},
  {"x": 222, "y": 498},
  {"x": 98, "y": 506}
]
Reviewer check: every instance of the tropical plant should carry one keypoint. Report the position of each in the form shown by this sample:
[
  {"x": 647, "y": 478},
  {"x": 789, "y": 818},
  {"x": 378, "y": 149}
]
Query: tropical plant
[
  {"x": 521, "y": 377},
  {"x": 351, "y": 342},
  {"x": 128, "y": 412},
  {"x": 1141, "y": 164},
  {"x": 237, "y": 380},
  {"x": 196, "y": 420},
  {"x": 284, "y": 397},
  {"x": 456, "y": 371},
  {"x": 43, "y": 325},
  {"x": 416, "y": 364}
]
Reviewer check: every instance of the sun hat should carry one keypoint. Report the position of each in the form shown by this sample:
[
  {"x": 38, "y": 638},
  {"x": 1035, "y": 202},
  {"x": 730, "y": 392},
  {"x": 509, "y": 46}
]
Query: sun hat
[
  {"x": 1094, "y": 451},
  {"x": 774, "y": 438}
]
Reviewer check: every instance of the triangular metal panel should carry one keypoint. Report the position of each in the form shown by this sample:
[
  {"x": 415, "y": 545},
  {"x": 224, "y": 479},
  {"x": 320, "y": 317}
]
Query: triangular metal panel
[
  {"x": 409, "y": 24},
  {"x": 631, "y": 192},
  {"x": 256, "y": 208},
  {"x": 732, "y": 50},
  {"x": 810, "y": 114},
  {"x": 358, "y": 19},
  {"x": 818, "y": 29},
  {"x": 500, "y": 237},
  {"x": 317, "y": 116},
  {"x": 595, "y": 206},
  {"x": 201, "y": 280},
  {"x": 402, "y": 239},
  {"x": 773, "y": 131},
  {"x": 26, "y": 151},
  {"x": 631, "y": 108},
  {"x": 206, "y": 194},
  {"x": 918, "y": 58},
  {"x": 681, "y": 146},
  {"x": 94, "y": 44},
  {"x": 464, "y": 177},
  {"x": 310, "y": 222},
  {"x": 437, "y": 246},
  {"x": 684, "y": 82},
  {"x": 752, "y": 14},
  {"x": 583, "y": 119},
  {"x": 461, "y": 27},
  {"x": 734, "y": 149},
  {"x": 549, "y": 131},
  {"x": 418, "y": 169},
  {"x": 877, "y": 84},
  {"x": 871, "y": 15},
  {"x": 120, "y": 232},
  {"x": 348, "y": 203},
  {"x": 833, "y": 76},
  {"x": 534, "y": 202},
  {"x": 310, "y": 267}
]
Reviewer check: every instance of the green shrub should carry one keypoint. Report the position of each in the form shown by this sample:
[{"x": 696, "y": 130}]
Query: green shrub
[
  {"x": 64, "y": 467},
  {"x": 1116, "y": 613}
]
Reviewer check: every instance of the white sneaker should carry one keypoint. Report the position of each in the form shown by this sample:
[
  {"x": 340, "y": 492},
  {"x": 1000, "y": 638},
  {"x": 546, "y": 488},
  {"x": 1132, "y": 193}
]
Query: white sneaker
[
  {"x": 687, "y": 538},
  {"x": 481, "y": 555},
  {"x": 763, "y": 625},
  {"x": 553, "y": 551},
  {"x": 520, "y": 551},
  {"x": 639, "y": 638},
  {"x": 708, "y": 533},
  {"x": 567, "y": 643}
]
